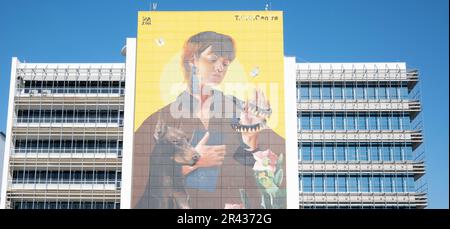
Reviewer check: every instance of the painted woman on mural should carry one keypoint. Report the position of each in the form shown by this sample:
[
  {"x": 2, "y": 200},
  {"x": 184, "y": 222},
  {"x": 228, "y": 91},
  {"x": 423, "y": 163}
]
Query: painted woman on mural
[{"x": 207, "y": 149}]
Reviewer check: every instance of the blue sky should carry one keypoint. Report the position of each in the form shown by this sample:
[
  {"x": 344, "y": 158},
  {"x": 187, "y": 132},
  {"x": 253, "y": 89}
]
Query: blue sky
[{"x": 411, "y": 31}]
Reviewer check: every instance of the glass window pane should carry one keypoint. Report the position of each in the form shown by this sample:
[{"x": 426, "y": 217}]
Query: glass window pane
[
  {"x": 307, "y": 183},
  {"x": 339, "y": 121},
  {"x": 316, "y": 121},
  {"x": 326, "y": 91},
  {"x": 304, "y": 91},
  {"x": 397, "y": 153},
  {"x": 387, "y": 184},
  {"x": 376, "y": 184},
  {"x": 363, "y": 152},
  {"x": 393, "y": 94},
  {"x": 406, "y": 122},
  {"x": 404, "y": 92},
  {"x": 362, "y": 122},
  {"x": 306, "y": 152},
  {"x": 315, "y": 91},
  {"x": 407, "y": 150},
  {"x": 410, "y": 184},
  {"x": 305, "y": 122},
  {"x": 329, "y": 154},
  {"x": 349, "y": 94},
  {"x": 373, "y": 125},
  {"x": 318, "y": 184},
  {"x": 384, "y": 122},
  {"x": 399, "y": 186},
  {"x": 395, "y": 122},
  {"x": 386, "y": 153},
  {"x": 317, "y": 153},
  {"x": 374, "y": 154},
  {"x": 342, "y": 184},
  {"x": 371, "y": 91},
  {"x": 340, "y": 152},
  {"x": 352, "y": 184},
  {"x": 328, "y": 122},
  {"x": 337, "y": 91},
  {"x": 364, "y": 184},
  {"x": 330, "y": 183},
  {"x": 360, "y": 92},
  {"x": 382, "y": 92},
  {"x": 350, "y": 121},
  {"x": 351, "y": 152}
]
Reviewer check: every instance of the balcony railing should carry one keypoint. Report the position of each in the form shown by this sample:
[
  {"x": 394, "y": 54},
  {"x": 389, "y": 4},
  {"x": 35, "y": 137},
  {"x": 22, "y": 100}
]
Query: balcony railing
[
  {"x": 50, "y": 120},
  {"x": 67, "y": 151},
  {"x": 58, "y": 90}
]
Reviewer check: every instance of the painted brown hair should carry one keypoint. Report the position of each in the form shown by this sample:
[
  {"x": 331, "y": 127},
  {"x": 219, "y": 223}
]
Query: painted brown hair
[{"x": 221, "y": 44}]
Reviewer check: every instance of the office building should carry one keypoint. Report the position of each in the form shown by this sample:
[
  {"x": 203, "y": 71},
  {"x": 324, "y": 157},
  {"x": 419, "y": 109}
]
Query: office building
[
  {"x": 360, "y": 139},
  {"x": 359, "y": 126}
]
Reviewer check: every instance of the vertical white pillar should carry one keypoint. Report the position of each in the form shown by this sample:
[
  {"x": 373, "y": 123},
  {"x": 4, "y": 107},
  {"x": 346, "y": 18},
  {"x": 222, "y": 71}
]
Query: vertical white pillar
[
  {"x": 128, "y": 127},
  {"x": 290, "y": 80},
  {"x": 8, "y": 141}
]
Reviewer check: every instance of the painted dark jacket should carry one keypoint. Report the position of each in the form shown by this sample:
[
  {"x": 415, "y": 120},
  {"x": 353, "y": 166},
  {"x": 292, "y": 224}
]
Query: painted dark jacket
[{"x": 209, "y": 187}]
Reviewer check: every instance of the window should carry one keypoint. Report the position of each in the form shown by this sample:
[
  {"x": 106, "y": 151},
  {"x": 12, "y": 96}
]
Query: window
[
  {"x": 384, "y": 121},
  {"x": 349, "y": 91},
  {"x": 386, "y": 153},
  {"x": 387, "y": 184},
  {"x": 304, "y": 91},
  {"x": 406, "y": 122},
  {"x": 371, "y": 91},
  {"x": 382, "y": 92},
  {"x": 315, "y": 91},
  {"x": 352, "y": 184},
  {"x": 307, "y": 183},
  {"x": 318, "y": 184},
  {"x": 340, "y": 152},
  {"x": 342, "y": 184},
  {"x": 306, "y": 152},
  {"x": 350, "y": 121},
  {"x": 397, "y": 153},
  {"x": 317, "y": 152},
  {"x": 404, "y": 92},
  {"x": 362, "y": 124},
  {"x": 364, "y": 184},
  {"x": 328, "y": 122},
  {"x": 359, "y": 91},
  {"x": 395, "y": 122},
  {"x": 330, "y": 184},
  {"x": 351, "y": 152},
  {"x": 329, "y": 154},
  {"x": 337, "y": 91},
  {"x": 339, "y": 121},
  {"x": 393, "y": 93},
  {"x": 316, "y": 121},
  {"x": 305, "y": 122},
  {"x": 376, "y": 184},
  {"x": 407, "y": 151},
  {"x": 373, "y": 124},
  {"x": 363, "y": 152},
  {"x": 326, "y": 91},
  {"x": 399, "y": 186},
  {"x": 410, "y": 184}
]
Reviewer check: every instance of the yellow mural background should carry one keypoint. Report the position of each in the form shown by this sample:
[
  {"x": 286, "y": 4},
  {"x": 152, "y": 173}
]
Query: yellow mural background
[{"x": 259, "y": 45}]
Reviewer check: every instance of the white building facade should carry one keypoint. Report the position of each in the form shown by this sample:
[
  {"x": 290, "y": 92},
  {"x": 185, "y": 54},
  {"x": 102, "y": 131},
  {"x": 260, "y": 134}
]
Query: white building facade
[
  {"x": 64, "y": 137},
  {"x": 359, "y": 136},
  {"x": 70, "y": 133}
]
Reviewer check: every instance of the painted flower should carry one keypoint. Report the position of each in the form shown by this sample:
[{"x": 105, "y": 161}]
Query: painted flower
[
  {"x": 265, "y": 161},
  {"x": 234, "y": 206}
]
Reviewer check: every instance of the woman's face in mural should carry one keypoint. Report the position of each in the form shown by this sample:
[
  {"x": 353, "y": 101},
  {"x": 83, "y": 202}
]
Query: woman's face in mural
[{"x": 211, "y": 68}]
